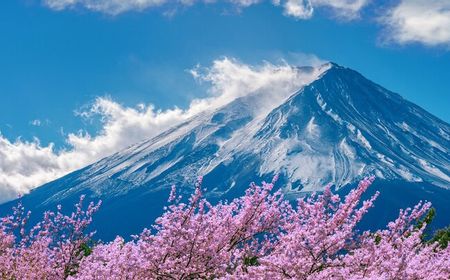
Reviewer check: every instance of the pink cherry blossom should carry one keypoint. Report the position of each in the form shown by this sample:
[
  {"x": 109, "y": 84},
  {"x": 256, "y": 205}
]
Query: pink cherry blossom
[{"x": 260, "y": 235}]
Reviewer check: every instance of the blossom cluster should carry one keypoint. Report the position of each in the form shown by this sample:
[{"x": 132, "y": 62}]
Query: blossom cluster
[
  {"x": 260, "y": 235},
  {"x": 52, "y": 249}
]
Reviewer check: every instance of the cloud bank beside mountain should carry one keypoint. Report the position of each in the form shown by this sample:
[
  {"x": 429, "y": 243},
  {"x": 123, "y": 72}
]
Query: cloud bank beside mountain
[{"x": 25, "y": 165}]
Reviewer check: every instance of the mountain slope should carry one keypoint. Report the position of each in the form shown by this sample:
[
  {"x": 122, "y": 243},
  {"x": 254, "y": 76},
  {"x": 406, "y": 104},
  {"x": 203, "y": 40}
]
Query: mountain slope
[
  {"x": 337, "y": 129},
  {"x": 344, "y": 126}
]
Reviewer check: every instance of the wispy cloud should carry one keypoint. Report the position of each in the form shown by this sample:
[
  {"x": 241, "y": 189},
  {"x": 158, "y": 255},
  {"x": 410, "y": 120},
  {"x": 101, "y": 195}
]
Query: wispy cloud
[
  {"x": 27, "y": 164},
  {"x": 36, "y": 122},
  {"x": 304, "y": 9},
  {"x": 418, "y": 21},
  {"x": 300, "y": 9},
  {"x": 39, "y": 122},
  {"x": 406, "y": 21},
  {"x": 115, "y": 7}
]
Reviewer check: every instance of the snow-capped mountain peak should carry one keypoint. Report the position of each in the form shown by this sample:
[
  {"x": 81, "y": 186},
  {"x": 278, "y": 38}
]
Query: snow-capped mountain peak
[{"x": 336, "y": 128}]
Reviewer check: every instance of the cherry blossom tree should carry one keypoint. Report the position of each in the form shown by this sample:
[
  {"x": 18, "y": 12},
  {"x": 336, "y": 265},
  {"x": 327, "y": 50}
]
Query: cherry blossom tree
[
  {"x": 52, "y": 249},
  {"x": 260, "y": 235}
]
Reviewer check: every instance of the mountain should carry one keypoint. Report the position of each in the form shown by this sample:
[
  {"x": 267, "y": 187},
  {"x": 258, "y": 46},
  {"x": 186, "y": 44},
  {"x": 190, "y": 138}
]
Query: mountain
[{"x": 336, "y": 129}]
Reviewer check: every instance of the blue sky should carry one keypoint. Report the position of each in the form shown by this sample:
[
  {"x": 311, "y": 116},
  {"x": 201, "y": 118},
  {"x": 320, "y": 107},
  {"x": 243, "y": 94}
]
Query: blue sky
[{"x": 58, "y": 56}]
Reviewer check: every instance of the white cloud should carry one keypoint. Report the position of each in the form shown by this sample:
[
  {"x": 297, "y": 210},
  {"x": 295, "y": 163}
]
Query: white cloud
[
  {"x": 297, "y": 8},
  {"x": 304, "y": 9},
  {"x": 418, "y": 21},
  {"x": 301, "y": 9},
  {"x": 25, "y": 165},
  {"x": 344, "y": 8},
  {"x": 106, "y": 6},
  {"x": 115, "y": 7},
  {"x": 36, "y": 122},
  {"x": 407, "y": 21}
]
